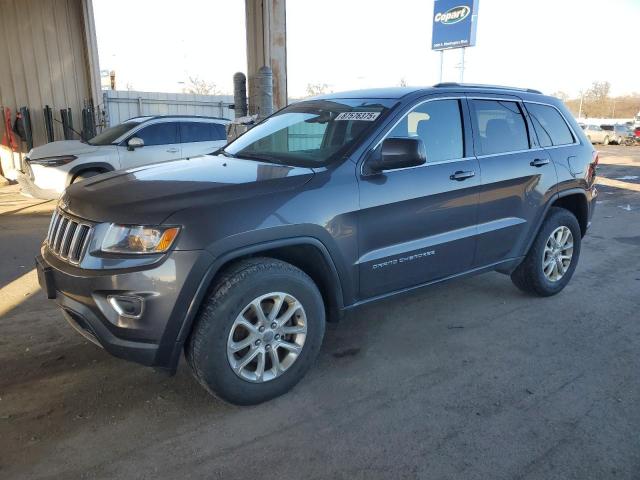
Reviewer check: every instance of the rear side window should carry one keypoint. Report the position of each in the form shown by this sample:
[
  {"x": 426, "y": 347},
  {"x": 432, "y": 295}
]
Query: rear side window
[
  {"x": 439, "y": 124},
  {"x": 501, "y": 126},
  {"x": 201, "y": 132},
  {"x": 159, "y": 134},
  {"x": 549, "y": 125}
]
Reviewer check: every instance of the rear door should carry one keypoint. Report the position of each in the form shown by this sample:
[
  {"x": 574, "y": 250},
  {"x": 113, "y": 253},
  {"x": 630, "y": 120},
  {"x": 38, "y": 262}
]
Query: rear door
[
  {"x": 199, "y": 138},
  {"x": 518, "y": 178},
  {"x": 161, "y": 144},
  {"x": 554, "y": 134},
  {"x": 418, "y": 224}
]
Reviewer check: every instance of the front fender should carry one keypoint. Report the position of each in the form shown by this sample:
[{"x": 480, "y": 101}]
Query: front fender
[{"x": 239, "y": 252}]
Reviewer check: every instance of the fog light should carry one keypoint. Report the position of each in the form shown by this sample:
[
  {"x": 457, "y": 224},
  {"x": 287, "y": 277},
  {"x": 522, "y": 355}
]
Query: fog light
[{"x": 128, "y": 306}]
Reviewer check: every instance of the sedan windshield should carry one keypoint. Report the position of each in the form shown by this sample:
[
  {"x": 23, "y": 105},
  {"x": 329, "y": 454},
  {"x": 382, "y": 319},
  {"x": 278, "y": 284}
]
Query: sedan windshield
[
  {"x": 311, "y": 133},
  {"x": 110, "y": 135}
]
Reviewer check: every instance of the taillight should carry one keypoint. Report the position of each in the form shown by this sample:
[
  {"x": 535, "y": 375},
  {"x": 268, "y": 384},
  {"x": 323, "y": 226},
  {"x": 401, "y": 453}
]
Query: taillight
[{"x": 593, "y": 165}]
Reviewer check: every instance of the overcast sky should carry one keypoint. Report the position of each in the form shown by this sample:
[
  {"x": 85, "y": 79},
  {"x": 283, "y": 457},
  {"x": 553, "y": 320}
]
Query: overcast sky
[{"x": 155, "y": 45}]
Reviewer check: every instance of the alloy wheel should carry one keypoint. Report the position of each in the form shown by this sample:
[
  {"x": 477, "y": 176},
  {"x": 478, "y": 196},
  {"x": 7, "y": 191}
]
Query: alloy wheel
[
  {"x": 557, "y": 255},
  {"x": 267, "y": 337}
]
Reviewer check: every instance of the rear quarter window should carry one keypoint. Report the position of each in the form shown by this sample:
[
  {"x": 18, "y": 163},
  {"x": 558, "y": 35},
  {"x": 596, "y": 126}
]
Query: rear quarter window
[
  {"x": 550, "y": 127},
  {"x": 191, "y": 132}
]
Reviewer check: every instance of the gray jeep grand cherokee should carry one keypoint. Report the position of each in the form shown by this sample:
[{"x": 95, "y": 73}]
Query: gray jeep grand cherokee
[{"x": 239, "y": 257}]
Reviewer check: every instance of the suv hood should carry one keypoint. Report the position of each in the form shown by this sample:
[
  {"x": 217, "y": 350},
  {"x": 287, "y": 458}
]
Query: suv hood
[
  {"x": 62, "y": 147},
  {"x": 149, "y": 194}
]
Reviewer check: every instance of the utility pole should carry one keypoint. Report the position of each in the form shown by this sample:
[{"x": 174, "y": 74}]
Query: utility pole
[
  {"x": 613, "y": 113},
  {"x": 580, "y": 110}
]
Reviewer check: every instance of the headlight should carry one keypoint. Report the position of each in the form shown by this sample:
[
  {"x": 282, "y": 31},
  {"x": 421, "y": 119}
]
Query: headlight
[
  {"x": 53, "y": 161},
  {"x": 138, "y": 239}
]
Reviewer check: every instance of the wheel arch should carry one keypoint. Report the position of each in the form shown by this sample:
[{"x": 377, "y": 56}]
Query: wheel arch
[
  {"x": 307, "y": 253},
  {"x": 574, "y": 200},
  {"x": 103, "y": 167}
]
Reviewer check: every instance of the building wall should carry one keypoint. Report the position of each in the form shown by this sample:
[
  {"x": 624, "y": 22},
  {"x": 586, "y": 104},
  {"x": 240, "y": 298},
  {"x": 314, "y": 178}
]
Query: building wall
[{"x": 44, "y": 59}]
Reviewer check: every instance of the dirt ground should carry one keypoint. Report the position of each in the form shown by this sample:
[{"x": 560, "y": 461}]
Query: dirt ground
[{"x": 470, "y": 380}]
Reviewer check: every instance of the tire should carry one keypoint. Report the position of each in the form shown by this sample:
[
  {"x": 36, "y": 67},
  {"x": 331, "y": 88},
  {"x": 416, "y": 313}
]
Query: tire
[
  {"x": 530, "y": 275},
  {"x": 216, "y": 327},
  {"x": 85, "y": 174},
  {"x": 606, "y": 141}
]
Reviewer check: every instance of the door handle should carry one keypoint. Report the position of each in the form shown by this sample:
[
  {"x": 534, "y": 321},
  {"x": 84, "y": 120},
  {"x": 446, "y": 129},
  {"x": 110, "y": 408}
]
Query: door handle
[
  {"x": 460, "y": 175},
  {"x": 539, "y": 162},
  {"x": 172, "y": 150}
]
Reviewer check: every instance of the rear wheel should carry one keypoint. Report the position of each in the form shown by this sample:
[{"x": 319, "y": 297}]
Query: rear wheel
[
  {"x": 258, "y": 332},
  {"x": 553, "y": 257}
]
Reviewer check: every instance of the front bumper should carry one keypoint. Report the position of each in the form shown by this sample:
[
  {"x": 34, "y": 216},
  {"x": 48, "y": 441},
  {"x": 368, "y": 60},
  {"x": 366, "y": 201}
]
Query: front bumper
[
  {"x": 30, "y": 189},
  {"x": 167, "y": 289}
]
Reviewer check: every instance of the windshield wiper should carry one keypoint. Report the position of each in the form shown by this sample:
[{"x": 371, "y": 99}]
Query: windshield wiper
[{"x": 222, "y": 151}]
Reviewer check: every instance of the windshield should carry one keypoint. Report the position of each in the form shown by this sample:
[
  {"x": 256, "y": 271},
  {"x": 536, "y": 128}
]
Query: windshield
[
  {"x": 110, "y": 135},
  {"x": 311, "y": 133}
]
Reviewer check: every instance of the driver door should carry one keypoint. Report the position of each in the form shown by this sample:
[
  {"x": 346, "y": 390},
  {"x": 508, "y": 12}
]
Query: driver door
[
  {"x": 418, "y": 224},
  {"x": 161, "y": 144}
]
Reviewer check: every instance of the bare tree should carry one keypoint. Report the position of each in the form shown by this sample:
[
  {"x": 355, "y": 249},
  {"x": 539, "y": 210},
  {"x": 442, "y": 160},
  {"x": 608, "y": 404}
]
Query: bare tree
[
  {"x": 599, "y": 91},
  {"x": 596, "y": 100},
  {"x": 314, "y": 89},
  {"x": 201, "y": 87},
  {"x": 403, "y": 82}
]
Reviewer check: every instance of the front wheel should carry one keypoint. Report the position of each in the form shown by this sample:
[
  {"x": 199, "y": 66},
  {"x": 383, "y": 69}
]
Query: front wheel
[
  {"x": 258, "y": 332},
  {"x": 553, "y": 257}
]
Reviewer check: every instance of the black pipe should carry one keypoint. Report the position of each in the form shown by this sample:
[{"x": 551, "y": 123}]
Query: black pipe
[
  {"x": 26, "y": 121},
  {"x": 48, "y": 123}
]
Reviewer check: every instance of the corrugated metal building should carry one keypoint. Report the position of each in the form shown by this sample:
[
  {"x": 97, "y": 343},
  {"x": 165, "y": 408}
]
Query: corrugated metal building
[{"x": 48, "y": 56}]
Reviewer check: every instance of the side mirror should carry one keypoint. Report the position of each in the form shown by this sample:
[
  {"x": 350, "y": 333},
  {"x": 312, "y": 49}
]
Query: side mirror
[
  {"x": 399, "y": 153},
  {"x": 134, "y": 142}
]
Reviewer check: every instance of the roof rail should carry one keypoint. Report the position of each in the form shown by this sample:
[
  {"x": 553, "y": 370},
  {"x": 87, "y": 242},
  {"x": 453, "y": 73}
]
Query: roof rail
[{"x": 477, "y": 85}]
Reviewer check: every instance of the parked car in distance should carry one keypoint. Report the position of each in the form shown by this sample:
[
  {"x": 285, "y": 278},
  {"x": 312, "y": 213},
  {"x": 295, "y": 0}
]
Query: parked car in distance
[
  {"x": 623, "y": 135},
  {"x": 136, "y": 142},
  {"x": 239, "y": 258},
  {"x": 596, "y": 134}
]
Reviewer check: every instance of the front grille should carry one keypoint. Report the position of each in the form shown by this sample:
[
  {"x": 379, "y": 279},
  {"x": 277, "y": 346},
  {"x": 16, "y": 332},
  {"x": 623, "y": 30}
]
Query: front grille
[{"x": 67, "y": 238}]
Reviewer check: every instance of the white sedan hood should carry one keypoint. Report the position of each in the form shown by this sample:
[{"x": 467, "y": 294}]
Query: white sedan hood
[{"x": 65, "y": 147}]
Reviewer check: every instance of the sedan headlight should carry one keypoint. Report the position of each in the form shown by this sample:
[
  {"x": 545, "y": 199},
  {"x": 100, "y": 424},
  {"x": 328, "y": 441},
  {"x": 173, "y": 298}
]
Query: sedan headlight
[
  {"x": 138, "y": 239},
  {"x": 53, "y": 161}
]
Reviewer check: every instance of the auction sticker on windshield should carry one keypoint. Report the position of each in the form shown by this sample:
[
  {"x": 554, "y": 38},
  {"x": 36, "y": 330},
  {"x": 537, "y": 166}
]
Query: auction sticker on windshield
[{"x": 364, "y": 116}]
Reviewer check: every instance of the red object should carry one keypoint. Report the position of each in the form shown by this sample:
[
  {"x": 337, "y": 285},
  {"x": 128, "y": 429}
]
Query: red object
[
  {"x": 9, "y": 137},
  {"x": 637, "y": 132},
  {"x": 593, "y": 165}
]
